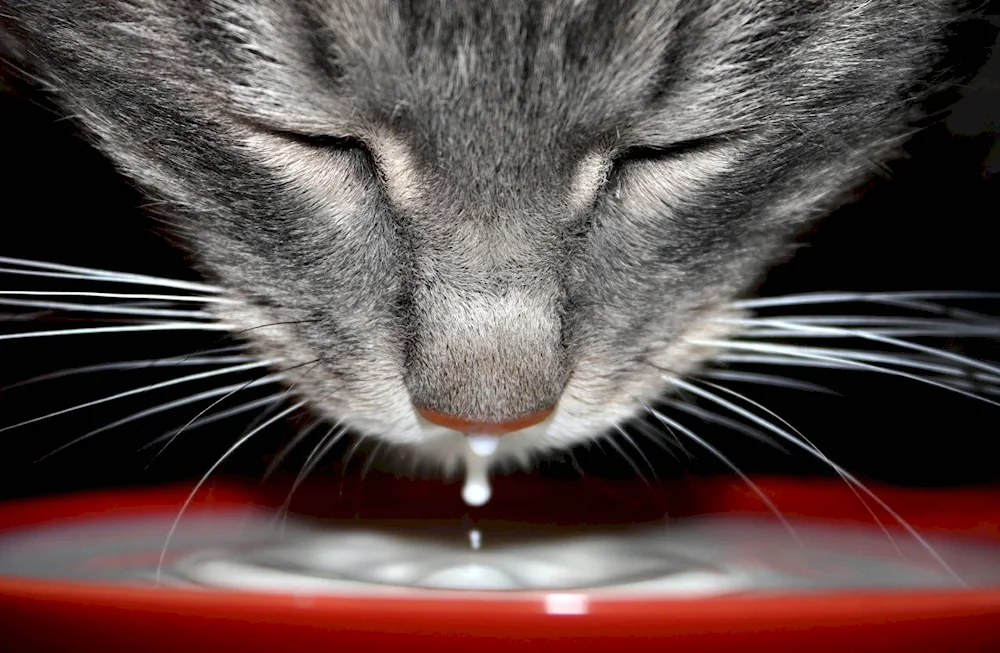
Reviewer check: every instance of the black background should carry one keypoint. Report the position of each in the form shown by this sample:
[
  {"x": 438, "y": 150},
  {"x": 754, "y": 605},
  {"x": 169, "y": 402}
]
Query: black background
[{"x": 927, "y": 223}]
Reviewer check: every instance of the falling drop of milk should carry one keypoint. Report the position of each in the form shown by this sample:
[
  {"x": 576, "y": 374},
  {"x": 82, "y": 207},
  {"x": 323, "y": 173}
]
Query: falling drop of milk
[
  {"x": 483, "y": 446},
  {"x": 477, "y": 491}
]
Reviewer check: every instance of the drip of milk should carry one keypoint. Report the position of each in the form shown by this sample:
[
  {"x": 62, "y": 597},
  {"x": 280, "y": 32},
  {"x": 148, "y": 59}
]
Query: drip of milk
[{"x": 477, "y": 491}]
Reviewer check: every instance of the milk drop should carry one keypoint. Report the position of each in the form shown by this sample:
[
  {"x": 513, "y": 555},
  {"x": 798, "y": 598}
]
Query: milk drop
[
  {"x": 477, "y": 490},
  {"x": 483, "y": 446},
  {"x": 475, "y": 539}
]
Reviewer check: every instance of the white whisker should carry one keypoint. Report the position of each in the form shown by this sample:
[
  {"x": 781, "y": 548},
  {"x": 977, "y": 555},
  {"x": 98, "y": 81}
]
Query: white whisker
[
  {"x": 109, "y": 309},
  {"x": 768, "y": 348},
  {"x": 288, "y": 448},
  {"x": 960, "y": 331},
  {"x": 638, "y": 449},
  {"x": 728, "y": 463},
  {"x": 263, "y": 415},
  {"x": 657, "y": 438},
  {"x": 783, "y": 360},
  {"x": 131, "y": 328},
  {"x": 370, "y": 459},
  {"x": 152, "y": 363},
  {"x": 148, "y": 388},
  {"x": 194, "y": 299},
  {"x": 816, "y": 449},
  {"x": 267, "y": 401},
  {"x": 576, "y": 463},
  {"x": 763, "y": 379},
  {"x": 963, "y": 322},
  {"x": 974, "y": 386},
  {"x": 821, "y": 456},
  {"x": 211, "y": 470},
  {"x": 938, "y": 309},
  {"x": 899, "y": 360},
  {"x": 199, "y": 415},
  {"x": 876, "y": 320},
  {"x": 80, "y": 277},
  {"x": 322, "y": 448},
  {"x": 628, "y": 459},
  {"x": 846, "y": 297},
  {"x": 722, "y": 420},
  {"x": 97, "y": 274},
  {"x": 288, "y": 390},
  {"x": 201, "y": 396},
  {"x": 24, "y": 317},
  {"x": 866, "y": 335},
  {"x": 350, "y": 454},
  {"x": 847, "y": 356}
]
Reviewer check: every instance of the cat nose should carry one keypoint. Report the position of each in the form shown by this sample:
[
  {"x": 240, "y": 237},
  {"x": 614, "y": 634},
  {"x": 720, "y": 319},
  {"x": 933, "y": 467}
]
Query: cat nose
[{"x": 471, "y": 427}]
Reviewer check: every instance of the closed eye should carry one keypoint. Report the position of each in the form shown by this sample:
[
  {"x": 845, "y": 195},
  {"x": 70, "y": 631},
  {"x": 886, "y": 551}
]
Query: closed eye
[
  {"x": 650, "y": 153},
  {"x": 350, "y": 146},
  {"x": 323, "y": 141}
]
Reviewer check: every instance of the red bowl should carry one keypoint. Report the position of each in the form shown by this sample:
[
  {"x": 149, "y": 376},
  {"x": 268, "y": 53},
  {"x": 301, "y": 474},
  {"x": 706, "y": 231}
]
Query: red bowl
[{"x": 41, "y": 615}]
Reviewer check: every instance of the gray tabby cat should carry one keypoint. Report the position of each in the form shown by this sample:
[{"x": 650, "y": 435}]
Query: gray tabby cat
[{"x": 485, "y": 216}]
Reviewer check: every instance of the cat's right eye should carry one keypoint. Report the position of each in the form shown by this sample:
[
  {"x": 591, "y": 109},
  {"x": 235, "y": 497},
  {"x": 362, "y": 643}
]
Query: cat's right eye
[
  {"x": 350, "y": 146},
  {"x": 641, "y": 153},
  {"x": 326, "y": 142}
]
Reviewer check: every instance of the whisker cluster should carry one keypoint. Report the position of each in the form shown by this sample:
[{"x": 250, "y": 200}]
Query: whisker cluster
[
  {"x": 142, "y": 304},
  {"x": 898, "y": 343}
]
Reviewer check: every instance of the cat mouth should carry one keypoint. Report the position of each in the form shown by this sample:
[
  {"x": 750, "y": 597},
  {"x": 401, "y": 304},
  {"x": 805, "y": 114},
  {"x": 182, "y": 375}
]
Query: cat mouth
[{"x": 494, "y": 428}]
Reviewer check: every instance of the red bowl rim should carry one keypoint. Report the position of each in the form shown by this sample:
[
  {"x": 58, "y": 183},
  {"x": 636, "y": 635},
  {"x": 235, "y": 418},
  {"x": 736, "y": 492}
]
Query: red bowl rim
[{"x": 979, "y": 516}]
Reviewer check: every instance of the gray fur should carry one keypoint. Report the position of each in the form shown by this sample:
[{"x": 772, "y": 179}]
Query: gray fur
[{"x": 556, "y": 192}]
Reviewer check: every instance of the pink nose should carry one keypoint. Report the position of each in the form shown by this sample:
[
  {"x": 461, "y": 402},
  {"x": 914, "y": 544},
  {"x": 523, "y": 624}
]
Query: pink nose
[{"x": 469, "y": 427}]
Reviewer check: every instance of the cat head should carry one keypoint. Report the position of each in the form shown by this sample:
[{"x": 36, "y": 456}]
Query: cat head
[{"x": 484, "y": 209}]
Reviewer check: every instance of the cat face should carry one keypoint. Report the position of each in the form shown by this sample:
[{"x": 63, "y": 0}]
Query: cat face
[{"x": 484, "y": 209}]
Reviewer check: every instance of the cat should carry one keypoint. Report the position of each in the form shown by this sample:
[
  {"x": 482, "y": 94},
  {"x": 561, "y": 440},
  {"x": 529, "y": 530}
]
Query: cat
[{"x": 515, "y": 216}]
